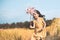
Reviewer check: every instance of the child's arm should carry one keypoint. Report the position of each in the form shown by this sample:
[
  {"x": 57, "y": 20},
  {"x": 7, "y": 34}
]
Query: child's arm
[
  {"x": 44, "y": 23},
  {"x": 32, "y": 25}
]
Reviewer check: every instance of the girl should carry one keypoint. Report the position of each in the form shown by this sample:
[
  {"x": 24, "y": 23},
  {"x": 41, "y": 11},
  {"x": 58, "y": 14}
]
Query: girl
[{"x": 38, "y": 24}]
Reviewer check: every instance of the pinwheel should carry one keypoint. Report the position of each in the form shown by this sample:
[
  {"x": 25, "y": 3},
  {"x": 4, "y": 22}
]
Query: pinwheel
[{"x": 30, "y": 10}]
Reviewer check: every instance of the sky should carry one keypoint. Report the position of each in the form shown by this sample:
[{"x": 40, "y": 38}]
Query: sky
[{"x": 14, "y": 10}]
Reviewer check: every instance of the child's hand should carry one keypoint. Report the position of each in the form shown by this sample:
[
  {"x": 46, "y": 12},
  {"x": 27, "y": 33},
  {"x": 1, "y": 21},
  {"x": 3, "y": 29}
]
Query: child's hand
[{"x": 35, "y": 35}]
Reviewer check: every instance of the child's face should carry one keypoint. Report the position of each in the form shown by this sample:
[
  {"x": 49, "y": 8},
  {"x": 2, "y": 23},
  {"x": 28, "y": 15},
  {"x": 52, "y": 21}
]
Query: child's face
[{"x": 35, "y": 15}]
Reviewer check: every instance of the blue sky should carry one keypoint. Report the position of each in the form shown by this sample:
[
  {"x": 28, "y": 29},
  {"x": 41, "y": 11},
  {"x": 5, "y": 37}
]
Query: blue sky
[{"x": 14, "y": 10}]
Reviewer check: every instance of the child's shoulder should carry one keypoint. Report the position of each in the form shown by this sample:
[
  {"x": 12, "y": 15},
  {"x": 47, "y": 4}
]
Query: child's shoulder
[{"x": 41, "y": 18}]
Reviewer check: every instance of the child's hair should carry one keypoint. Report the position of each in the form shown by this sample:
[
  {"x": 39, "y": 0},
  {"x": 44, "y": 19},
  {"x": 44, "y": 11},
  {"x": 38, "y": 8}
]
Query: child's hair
[{"x": 40, "y": 15}]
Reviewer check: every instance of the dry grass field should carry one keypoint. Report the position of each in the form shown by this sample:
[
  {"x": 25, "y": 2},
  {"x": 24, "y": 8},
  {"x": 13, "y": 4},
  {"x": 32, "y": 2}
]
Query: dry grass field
[
  {"x": 15, "y": 34},
  {"x": 25, "y": 34}
]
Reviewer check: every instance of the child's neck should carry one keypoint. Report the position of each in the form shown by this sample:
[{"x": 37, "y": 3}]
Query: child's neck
[{"x": 37, "y": 18}]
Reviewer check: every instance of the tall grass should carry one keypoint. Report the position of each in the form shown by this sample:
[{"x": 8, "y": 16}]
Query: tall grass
[{"x": 15, "y": 34}]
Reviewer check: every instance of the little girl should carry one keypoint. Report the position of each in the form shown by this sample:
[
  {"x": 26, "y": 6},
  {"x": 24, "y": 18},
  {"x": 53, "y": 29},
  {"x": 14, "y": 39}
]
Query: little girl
[{"x": 38, "y": 25}]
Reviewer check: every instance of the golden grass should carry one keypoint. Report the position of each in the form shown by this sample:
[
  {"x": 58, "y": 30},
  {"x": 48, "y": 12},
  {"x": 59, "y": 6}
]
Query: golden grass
[{"x": 15, "y": 34}]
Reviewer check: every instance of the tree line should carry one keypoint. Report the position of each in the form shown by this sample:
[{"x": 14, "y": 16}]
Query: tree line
[{"x": 21, "y": 24}]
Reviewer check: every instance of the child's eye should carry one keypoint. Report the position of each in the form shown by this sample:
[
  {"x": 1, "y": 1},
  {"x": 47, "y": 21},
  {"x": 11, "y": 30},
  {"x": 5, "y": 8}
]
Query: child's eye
[{"x": 33, "y": 13}]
